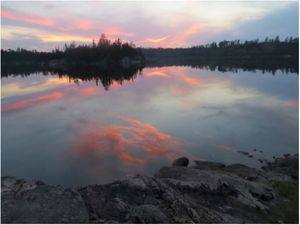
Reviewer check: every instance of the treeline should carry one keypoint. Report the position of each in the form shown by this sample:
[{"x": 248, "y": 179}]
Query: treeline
[
  {"x": 78, "y": 72},
  {"x": 267, "y": 48},
  {"x": 269, "y": 54},
  {"x": 264, "y": 65},
  {"x": 104, "y": 51}
]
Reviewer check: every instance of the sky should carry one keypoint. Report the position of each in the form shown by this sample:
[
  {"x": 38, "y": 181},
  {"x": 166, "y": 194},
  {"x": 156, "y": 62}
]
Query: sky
[{"x": 46, "y": 25}]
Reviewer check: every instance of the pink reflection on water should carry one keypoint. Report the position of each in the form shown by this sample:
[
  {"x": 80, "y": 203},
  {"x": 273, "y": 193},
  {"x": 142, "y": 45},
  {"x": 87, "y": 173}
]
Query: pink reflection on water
[
  {"x": 44, "y": 98},
  {"x": 292, "y": 103},
  {"x": 15, "y": 106},
  {"x": 116, "y": 140}
]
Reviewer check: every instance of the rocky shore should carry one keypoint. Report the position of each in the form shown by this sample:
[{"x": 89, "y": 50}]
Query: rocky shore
[{"x": 204, "y": 192}]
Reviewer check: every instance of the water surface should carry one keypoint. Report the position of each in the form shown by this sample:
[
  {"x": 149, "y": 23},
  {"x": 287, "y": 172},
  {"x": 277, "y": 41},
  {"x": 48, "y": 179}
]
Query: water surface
[{"x": 73, "y": 132}]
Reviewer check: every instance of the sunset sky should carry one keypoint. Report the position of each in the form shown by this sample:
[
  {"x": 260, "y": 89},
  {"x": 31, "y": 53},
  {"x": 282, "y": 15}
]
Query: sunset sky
[{"x": 45, "y": 25}]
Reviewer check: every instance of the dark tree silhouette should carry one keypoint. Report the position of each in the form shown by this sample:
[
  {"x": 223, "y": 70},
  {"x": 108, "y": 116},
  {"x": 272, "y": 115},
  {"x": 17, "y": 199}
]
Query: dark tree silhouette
[{"x": 104, "y": 52}]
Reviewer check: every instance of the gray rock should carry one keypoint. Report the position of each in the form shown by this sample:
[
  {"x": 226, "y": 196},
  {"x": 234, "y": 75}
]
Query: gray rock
[
  {"x": 242, "y": 152},
  {"x": 182, "y": 161},
  {"x": 147, "y": 214},
  {"x": 206, "y": 193},
  {"x": 245, "y": 172},
  {"x": 283, "y": 168},
  {"x": 208, "y": 165},
  {"x": 28, "y": 201}
]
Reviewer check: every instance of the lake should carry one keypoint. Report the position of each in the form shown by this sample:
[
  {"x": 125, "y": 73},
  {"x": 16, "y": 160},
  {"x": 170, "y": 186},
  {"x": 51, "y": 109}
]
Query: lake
[{"x": 67, "y": 131}]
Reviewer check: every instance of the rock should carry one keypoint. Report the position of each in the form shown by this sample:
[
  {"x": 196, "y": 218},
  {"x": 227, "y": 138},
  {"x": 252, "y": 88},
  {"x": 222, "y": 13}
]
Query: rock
[
  {"x": 208, "y": 165},
  {"x": 28, "y": 201},
  {"x": 245, "y": 172},
  {"x": 208, "y": 192},
  {"x": 147, "y": 214},
  {"x": 243, "y": 152},
  {"x": 283, "y": 168},
  {"x": 182, "y": 161}
]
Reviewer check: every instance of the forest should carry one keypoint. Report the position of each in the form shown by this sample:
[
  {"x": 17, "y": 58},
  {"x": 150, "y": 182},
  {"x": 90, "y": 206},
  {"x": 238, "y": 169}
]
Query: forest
[
  {"x": 269, "y": 47},
  {"x": 268, "y": 54},
  {"x": 105, "y": 52}
]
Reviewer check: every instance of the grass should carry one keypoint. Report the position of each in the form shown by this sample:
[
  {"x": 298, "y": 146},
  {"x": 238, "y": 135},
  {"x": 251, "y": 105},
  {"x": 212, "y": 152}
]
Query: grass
[{"x": 290, "y": 207}]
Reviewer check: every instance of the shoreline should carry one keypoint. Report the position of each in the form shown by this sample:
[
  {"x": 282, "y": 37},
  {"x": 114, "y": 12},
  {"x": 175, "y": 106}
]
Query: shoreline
[{"x": 204, "y": 192}]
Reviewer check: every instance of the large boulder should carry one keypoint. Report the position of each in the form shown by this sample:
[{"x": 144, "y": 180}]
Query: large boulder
[
  {"x": 182, "y": 161},
  {"x": 29, "y": 201}
]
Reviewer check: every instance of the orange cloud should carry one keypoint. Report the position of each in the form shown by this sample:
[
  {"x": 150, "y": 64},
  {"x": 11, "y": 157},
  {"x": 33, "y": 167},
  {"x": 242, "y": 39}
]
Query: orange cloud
[
  {"x": 84, "y": 24},
  {"x": 155, "y": 40},
  {"x": 182, "y": 37},
  {"x": 116, "y": 140},
  {"x": 26, "y": 18},
  {"x": 49, "y": 37},
  {"x": 193, "y": 29},
  {"x": 115, "y": 31},
  {"x": 177, "y": 39},
  {"x": 23, "y": 104}
]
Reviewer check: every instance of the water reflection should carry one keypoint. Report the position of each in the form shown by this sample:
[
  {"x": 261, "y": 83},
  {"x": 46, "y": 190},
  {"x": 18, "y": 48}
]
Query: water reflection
[
  {"x": 117, "y": 140},
  {"x": 31, "y": 102},
  {"x": 265, "y": 65},
  {"x": 76, "y": 73},
  {"x": 42, "y": 97},
  {"x": 81, "y": 134}
]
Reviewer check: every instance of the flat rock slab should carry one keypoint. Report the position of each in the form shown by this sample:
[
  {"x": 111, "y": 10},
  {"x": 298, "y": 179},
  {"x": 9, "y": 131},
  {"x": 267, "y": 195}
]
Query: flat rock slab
[{"x": 27, "y": 201}]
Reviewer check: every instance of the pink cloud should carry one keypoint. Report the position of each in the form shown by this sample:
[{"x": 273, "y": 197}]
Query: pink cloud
[
  {"x": 84, "y": 24},
  {"x": 116, "y": 31},
  {"x": 26, "y": 18}
]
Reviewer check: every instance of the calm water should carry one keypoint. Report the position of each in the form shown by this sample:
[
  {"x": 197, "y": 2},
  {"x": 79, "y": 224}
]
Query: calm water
[{"x": 78, "y": 133}]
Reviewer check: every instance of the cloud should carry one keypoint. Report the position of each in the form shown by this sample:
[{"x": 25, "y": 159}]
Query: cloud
[
  {"x": 84, "y": 24},
  {"x": 150, "y": 25},
  {"x": 156, "y": 40},
  {"x": 26, "y": 18},
  {"x": 116, "y": 140},
  {"x": 116, "y": 31}
]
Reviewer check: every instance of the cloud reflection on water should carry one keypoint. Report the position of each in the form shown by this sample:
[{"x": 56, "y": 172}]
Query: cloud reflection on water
[
  {"x": 117, "y": 140},
  {"x": 43, "y": 98}
]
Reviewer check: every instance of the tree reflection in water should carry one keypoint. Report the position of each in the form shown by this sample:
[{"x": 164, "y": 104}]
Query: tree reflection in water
[{"x": 107, "y": 75}]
